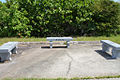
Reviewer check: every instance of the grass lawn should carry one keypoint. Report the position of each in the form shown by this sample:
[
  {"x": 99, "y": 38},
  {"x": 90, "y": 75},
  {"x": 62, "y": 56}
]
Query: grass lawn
[{"x": 112, "y": 38}]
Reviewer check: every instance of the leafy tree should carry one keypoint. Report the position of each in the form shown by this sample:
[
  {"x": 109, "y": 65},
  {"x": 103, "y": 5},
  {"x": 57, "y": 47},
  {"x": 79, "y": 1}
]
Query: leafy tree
[
  {"x": 13, "y": 22},
  {"x": 41, "y": 18},
  {"x": 106, "y": 17}
]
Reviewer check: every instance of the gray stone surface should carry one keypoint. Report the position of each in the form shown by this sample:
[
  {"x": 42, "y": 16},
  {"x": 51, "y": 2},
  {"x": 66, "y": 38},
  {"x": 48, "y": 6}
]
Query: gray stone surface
[
  {"x": 7, "y": 49},
  {"x": 111, "y": 44},
  {"x": 80, "y": 60},
  {"x": 106, "y": 45},
  {"x": 59, "y": 38},
  {"x": 67, "y": 39}
]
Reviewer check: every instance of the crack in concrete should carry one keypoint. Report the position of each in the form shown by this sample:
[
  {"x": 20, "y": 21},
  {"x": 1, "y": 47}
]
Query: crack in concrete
[{"x": 70, "y": 63}]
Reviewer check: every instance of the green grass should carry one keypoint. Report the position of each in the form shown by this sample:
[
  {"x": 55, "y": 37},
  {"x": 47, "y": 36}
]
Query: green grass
[
  {"x": 32, "y": 39},
  {"x": 4, "y": 40},
  {"x": 82, "y": 78},
  {"x": 112, "y": 38}
]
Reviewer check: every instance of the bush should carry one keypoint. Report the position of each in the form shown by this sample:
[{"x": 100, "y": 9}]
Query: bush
[
  {"x": 41, "y": 18},
  {"x": 106, "y": 17}
]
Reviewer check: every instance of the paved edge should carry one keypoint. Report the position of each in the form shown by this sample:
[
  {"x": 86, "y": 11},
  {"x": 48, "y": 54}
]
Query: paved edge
[{"x": 58, "y": 42}]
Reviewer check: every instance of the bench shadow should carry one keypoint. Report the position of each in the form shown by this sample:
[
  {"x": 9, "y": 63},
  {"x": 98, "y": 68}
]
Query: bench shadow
[
  {"x": 1, "y": 61},
  {"x": 104, "y": 54},
  {"x": 54, "y": 47}
]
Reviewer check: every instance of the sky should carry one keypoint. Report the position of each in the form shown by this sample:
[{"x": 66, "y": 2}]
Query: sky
[
  {"x": 4, "y": 0},
  {"x": 116, "y": 0}
]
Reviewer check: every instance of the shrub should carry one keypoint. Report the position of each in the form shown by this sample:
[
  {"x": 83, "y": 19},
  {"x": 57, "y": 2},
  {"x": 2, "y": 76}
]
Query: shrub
[{"x": 41, "y": 18}]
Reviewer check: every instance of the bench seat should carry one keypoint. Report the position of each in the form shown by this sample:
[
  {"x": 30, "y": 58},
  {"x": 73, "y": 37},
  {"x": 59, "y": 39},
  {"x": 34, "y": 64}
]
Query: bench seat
[
  {"x": 107, "y": 44},
  {"x": 67, "y": 39},
  {"x": 59, "y": 38},
  {"x": 7, "y": 49}
]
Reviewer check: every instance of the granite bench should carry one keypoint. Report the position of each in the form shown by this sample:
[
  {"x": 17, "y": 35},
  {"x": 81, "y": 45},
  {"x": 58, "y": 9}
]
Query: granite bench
[
  {"x": 106, "y": 45},
  {"x": 7, "y": 49},
  {"x": 67, "y": 39}
]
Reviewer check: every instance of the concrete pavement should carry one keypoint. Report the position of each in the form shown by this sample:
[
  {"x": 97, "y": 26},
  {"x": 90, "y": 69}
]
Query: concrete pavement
[{"x": 80, "y": 60}]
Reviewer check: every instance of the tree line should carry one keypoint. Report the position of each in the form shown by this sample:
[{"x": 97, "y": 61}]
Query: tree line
[{"x": 41, "y": 18}]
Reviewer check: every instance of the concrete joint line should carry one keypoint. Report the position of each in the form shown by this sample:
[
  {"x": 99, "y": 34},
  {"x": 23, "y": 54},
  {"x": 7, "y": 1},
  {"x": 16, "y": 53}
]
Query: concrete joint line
[{"x": 70, "y": 63}]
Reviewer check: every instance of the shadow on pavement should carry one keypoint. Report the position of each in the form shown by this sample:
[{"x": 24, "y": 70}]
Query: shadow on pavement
[
  {"x": 1, "y": 61},
  {"x": 54, "y": 47},
  {"x": 104, "y": 54}
]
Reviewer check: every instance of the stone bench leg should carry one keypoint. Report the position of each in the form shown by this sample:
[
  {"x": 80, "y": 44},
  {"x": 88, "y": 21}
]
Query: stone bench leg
[
  {"x": 9, "y": 57},
  {"x": 105, "y": 48},
  {"x": 51, "y": 44},
  {"x": 14, "y": 50},
  {"x": 68, "y": 44},
  {"x": 115, "y": 53},
  {"x": 6, "y": 56}
]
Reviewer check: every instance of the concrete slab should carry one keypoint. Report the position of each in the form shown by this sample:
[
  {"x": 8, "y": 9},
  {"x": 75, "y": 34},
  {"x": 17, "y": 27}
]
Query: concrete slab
[{"x": 80, "y": 60}]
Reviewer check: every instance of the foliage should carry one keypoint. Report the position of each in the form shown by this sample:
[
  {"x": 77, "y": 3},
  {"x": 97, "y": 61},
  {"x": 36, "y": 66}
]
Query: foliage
[
  {"x": 41, "y": 18},
  {"x": 12, "y": 21},
  {"x": 106, "y": 17}
]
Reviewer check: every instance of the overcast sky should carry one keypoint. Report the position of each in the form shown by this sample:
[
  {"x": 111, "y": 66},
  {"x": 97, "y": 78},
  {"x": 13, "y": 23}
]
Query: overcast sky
[{"x": 4, "y": 0}]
